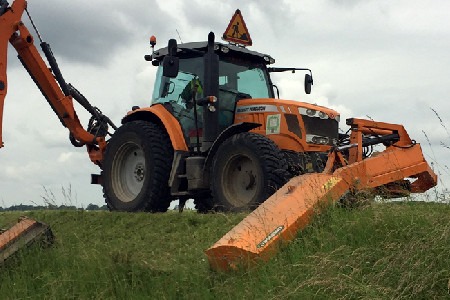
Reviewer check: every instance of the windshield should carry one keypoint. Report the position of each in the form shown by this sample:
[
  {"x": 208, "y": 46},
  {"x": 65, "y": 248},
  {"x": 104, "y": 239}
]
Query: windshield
[
  {"x": 244, "y": 77},
  {"x": 171, "y": 89}
]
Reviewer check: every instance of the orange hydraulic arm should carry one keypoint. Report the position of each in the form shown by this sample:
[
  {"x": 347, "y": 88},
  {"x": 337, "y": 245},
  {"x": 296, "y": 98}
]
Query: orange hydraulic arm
[
  {"x": 402, "y": 158},
  {"x": 59, "y": 95},
  {"x": 289, "y": 210}
]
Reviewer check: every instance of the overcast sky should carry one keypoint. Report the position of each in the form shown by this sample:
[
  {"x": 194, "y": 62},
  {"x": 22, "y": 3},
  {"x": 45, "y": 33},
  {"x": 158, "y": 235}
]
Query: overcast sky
[{"x": 384, "y": 60}]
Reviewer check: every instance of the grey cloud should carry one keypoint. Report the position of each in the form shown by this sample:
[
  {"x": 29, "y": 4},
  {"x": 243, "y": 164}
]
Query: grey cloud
[{"x": 91, "y": 33}]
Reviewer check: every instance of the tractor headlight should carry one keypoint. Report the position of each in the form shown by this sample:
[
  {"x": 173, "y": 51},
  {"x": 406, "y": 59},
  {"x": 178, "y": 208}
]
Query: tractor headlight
[
  {"x": 318, "y": 140},
  {"x": 311, "y": 112}
]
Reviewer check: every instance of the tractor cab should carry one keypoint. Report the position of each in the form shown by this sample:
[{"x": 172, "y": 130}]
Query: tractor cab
[{"x": 240, "y": 74}]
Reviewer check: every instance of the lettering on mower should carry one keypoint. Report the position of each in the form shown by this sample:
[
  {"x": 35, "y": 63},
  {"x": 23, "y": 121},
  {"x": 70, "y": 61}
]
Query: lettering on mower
[
  {"x": 270, "y": 236},
  {"x": 256, "y": 108}
]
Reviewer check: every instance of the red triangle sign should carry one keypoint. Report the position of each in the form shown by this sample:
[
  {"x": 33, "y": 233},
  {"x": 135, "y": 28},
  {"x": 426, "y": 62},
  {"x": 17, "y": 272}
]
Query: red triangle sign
[{"x": 237, "y": 31}]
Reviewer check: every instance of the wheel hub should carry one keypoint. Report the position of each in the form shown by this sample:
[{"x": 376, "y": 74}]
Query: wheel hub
[
  {"x": 251, "y": 180},
  {"x": 128, "y": 172},
  {"x": 139, "y": 172},
  {"x": 240, "y": 182}
]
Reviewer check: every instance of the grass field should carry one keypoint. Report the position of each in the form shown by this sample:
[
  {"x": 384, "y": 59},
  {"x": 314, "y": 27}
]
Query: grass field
[{"x": 383, "y": 251}]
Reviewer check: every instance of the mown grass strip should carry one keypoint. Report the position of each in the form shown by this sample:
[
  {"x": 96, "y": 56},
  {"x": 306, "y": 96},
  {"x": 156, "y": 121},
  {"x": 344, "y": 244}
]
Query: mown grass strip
[{"x": 385, "y": 250}]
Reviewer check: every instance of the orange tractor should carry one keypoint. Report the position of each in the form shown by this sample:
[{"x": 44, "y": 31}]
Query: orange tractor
[{"x": 216, "y": 133}]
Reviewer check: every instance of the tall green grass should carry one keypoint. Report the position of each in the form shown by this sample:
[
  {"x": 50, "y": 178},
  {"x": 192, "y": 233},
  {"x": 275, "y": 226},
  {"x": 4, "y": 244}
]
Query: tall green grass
[{"x": 381, "y": 251}]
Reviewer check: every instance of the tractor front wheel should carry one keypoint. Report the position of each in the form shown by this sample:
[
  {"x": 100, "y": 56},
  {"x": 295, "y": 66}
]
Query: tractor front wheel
[{"x": 136, "y": 168}]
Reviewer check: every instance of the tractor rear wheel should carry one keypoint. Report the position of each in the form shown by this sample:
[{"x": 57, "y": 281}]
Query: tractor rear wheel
[
  {"x": 136, "y": 168},
  {"x": 246, "y": 170}
]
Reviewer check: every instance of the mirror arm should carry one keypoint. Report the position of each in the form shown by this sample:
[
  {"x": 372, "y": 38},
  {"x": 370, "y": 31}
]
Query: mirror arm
[
  {"x": 278, "y": 91},
  {"x": 275, "y": 70}
]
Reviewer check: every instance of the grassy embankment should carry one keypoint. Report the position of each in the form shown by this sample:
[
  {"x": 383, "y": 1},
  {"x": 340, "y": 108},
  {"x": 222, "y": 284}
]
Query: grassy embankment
[{"x": 384, "y": 251}]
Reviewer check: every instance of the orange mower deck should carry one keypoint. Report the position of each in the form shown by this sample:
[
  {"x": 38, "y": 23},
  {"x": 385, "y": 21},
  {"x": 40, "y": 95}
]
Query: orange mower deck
[{"x": 279, "y": 217}]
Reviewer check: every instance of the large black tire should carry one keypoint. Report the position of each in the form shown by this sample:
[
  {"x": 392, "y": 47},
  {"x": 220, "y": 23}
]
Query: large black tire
[
  {"x": 246, "y": 170},
  {"x": 136, "y": 168}
]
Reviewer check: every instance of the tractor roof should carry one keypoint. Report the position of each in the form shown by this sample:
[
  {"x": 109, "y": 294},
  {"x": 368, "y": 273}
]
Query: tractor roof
[{"x": 196, "y": 49}]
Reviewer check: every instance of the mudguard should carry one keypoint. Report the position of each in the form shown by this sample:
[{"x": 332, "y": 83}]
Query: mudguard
[{"x": 160, "y": 115}]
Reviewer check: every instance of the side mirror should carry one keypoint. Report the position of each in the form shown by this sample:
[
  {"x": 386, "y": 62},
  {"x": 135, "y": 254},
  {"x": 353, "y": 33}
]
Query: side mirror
[
  {"x": 171, "y": 63},
  {"x": 308, "y": 83}
]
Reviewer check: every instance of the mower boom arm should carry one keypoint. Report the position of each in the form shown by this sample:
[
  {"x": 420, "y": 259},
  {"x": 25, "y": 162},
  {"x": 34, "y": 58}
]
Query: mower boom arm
[{"x": 14, "y": 31}]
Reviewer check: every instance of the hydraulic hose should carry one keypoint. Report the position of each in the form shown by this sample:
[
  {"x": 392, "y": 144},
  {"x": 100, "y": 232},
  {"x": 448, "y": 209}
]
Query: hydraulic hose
[
  {"x": 3, "y": 6},
  {"x": 386, "y": 139},
  {"x": 55, "y": 68}
]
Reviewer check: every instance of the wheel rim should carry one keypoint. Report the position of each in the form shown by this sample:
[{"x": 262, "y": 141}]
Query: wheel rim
[
  {"x": 128, "y": 172},
  {"x": 240, "y": 180}
]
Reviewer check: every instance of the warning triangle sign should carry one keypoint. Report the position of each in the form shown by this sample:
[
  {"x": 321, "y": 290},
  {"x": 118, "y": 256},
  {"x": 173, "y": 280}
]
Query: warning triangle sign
[{"x": 237, "y": 31}]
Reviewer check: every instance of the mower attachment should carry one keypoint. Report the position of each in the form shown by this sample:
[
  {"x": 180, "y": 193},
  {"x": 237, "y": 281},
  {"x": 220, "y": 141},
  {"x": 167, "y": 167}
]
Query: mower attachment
[
  {"x": 22, "y": 234},
  {"x": 289, "y": 210}
]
